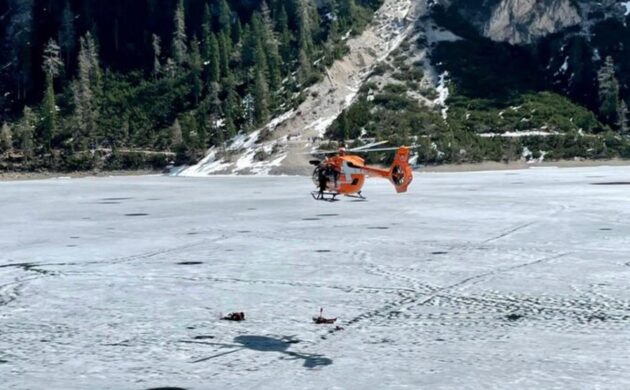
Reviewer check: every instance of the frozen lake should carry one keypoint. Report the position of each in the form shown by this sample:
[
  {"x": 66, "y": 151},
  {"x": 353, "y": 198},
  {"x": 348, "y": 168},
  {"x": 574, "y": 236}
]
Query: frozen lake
[{"x": 515, "y": 279}]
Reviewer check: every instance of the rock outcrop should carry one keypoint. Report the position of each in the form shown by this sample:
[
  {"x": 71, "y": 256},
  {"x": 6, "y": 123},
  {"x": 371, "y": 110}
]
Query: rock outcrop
[{"x": 522, "y": 21}]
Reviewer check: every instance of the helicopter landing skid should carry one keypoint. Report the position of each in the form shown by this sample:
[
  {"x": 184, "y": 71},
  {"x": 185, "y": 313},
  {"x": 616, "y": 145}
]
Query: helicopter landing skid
[
  {"x": 332, "y": 196},
  {"x": 358, "y": 195}
]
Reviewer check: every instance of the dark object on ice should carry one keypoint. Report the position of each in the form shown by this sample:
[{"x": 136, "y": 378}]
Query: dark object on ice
[
  {"x": 322, "y": 320},
  {"x": 596, "y": 317},
  {"x": 513, "y": 317},
  {"x": 236, "y": 316}
]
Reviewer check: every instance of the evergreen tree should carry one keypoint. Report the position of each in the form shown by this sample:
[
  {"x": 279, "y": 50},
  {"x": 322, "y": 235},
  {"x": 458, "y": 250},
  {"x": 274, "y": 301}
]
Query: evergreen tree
[
  {"x": 177, "y": 138},
  {"x": 271, "y": 48},
  {"x": 284, "y": 39},
  {"x": 237, "y": 31},
  {"x": 51, "y": 66},
  {"x": 179, "y": 35},
  {"x": 344, "y": 126},
  {"x": 224, "y": 18},
  {"x": 608, "y": 92},
  {"x": 86, "y": 90},
  {"x": 6, "y": 138},
  {"x": 304, "y": 24},
  {"x": 67, "y": 33},
  {"x": 305, "y": 41},
  {"x": 261, "y": 99},
  {"x": 224, "y": 55},
  {"x": 196, "y": 69},
  {"x": 25, "y": 130},
  {"x": 206, "y": 32},
  {"x": 304, "y": 71},
  {"x": 231, "y": 102},
  {"x": 248, "y": 109},
  {"x": 214, "y": 60}
]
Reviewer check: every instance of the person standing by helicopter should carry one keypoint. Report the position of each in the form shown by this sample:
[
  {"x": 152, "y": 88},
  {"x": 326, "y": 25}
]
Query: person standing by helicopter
[{"x": 322, "y": 180}]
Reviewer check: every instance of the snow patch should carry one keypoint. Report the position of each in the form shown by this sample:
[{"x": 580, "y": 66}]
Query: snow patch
[
  {"x": 517, "y": 134},
  {"x": 564, "y": 67},
  {"x": 627, "y": 5},
  {"x": 443, "y": 94},
  {"x": 435, "y": 34}
]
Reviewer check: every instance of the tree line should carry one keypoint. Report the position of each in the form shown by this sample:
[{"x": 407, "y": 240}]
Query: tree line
[{"x": 170, "y": 75}]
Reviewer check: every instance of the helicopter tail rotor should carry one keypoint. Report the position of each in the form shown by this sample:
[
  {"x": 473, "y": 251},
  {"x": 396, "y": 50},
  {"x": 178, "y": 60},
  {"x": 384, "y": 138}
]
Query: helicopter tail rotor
[{"x": 401, "y": 173}]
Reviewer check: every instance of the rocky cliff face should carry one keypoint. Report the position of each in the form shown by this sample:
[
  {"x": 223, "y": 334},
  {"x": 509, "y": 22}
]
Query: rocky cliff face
[
  {"x": 521, "y": 21},
  {"x": 525, "y": 21}
]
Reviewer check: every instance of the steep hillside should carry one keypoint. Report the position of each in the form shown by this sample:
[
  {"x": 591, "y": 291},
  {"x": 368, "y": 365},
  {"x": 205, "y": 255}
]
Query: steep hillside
[
  {"x": 464, "y": 93},
  {"x": 281, "y": 147}
]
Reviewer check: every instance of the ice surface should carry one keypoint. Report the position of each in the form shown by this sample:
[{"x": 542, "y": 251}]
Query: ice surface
[{"x": 513, "y": 279}]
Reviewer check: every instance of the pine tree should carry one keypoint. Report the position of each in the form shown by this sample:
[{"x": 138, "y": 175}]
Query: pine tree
[
  {"x": 237, "y": 31},
  {"x": 25, "y": 131},
  {"x": 196, "y": 69},
  {"x": 249, "y": 110},
  {"x": 157, "y": 51},
  {"x": 608, "y": 92},
  {"x": 304, "y": 70},
  {"x": 305, "y": 42},
  {"x": 231, "y": 102},
  {"x": 67, "y": 33},
  {"x": 344, "y": 127},
  {"x": 271, "y": 49},
  {"x": 224, "y": 55},
  {"x": 284, "y": 39},
  {"x": 177, "y": 138},
  {"x": 305, "y": 37},
  {"x": 206, "y": 32},
  {"x": 179, "y": 35},
  {"x": 51, "y": 66},
  {"x": 86, "y": 90},
  {"x": 261, "y": 98},
  {"x": 224, "y": 18},
  {"x": 6, "y": 138},
  {"x": 214, "y": 60}
]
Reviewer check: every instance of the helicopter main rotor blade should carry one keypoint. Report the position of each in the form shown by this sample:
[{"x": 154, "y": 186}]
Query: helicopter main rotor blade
[
  {"x": 359, "y": 148},
  {"x": 322, "y": 152},
  {"x": 388, "y": 149}
]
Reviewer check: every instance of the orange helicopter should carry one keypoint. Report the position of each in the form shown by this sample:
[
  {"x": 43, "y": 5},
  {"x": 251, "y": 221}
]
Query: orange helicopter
[{"x": 345, "y": 174}]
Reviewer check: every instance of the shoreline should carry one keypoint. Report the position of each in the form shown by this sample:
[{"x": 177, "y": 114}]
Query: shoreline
[
  {"x": 486, "y": 166},
  {"x": 519, "y": 165},
  {"x": 28, "y": 176}
]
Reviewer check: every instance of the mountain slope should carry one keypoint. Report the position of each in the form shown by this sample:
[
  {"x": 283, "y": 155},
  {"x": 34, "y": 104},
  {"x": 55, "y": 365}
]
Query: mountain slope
[{"x": 280, "y": 147}]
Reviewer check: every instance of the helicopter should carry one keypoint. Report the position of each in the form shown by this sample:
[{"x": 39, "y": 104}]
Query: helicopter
[{"x": 343, "y": 173}]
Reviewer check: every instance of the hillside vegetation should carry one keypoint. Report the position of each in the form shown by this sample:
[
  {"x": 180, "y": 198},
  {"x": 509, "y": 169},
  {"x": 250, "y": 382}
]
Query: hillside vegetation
[{"x": 123, "y": 84}]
